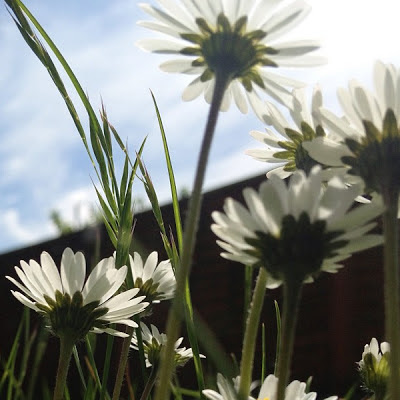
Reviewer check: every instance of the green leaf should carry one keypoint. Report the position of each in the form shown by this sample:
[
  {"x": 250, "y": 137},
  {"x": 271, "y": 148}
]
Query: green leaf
[
  {"x": 8, "y": 371},
  {"x": 79, "y": 368},
  {"x": 308, "y": 132},
  {"x": 248, "y": 281},
  {"x": 111, "y": 233},
  {"x": 278, "y": 334},
  {"x": 106, "y": 130},
  {"x": 124, "y": 236},
  {"x": 284, "y": 155},
  {"x": 390, "y": 124},
  {"x": 108, "y": 216},
  {"x": 174, "y": 193},
  {"x": 263, "y": 353},
  {"x": 152, "y": 196},
  {"x": 106, "y": 369},
  {"x": 93, "y": 366},
  {"x": 19, "y": 9},
  {"x": 290, "y": 146},
  {"x": 223, "y": 23},
  {"x": 371, "y": 132},
  {"x": 40, "y": 349},
  {"x": 240, "y": 25},
  {"x": 124, "y": 181},
  {"x": 293, "y": 135}
]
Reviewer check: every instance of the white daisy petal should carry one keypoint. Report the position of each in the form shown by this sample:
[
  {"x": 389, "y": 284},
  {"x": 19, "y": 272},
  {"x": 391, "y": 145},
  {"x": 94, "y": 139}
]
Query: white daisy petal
[
  {"x": 161, "y": 46},
  {"x": 36, "y": 291},
  {"x": 182, "y": 65},
  {"x": 228, "y": 390},
  {"x": 286, "y": 19},
  {"x": 279, "y": 172},
  {"x": 365, "y": 104},
  {"x": 194, "y": 90},
  {"x": 304, "y": 61},
  {"x": 297, "y": 48},
  {"x": 24, "y": 300},
  {"x": 167, "y": 18},
  {"x": 39, "y": 281},
  {"x": 154, "y": 280},
  {"x": 182, "y": 26},
  {"x": 306, "y": 203},
  {"x": 154, "y": 341},
  {"x": 51, "y": 271},
  {"x": 239, "y": 97},
  {"x": 159, "y": 27}
]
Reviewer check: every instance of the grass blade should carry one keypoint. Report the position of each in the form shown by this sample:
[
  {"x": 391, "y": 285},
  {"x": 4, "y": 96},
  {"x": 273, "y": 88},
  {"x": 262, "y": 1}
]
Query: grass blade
[
  {"x": 79, "y": 367},
  {"x": 174, "y": 194},
  {"x": 278, "y": 334}
]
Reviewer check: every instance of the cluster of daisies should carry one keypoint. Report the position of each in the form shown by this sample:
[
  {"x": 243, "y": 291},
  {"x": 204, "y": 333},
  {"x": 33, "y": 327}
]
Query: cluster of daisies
[
  {"x": 241, "y": 39},
  {"x": 331, "y": 160},
  {"x": 374, "y": 372},
  {"x": 74, "y": 305},
  {"x": 293, "y": 229}
]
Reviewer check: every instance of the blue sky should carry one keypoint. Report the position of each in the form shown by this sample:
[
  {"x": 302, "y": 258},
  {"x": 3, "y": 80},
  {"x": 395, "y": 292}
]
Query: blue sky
[{"x": 42, "y": 161}]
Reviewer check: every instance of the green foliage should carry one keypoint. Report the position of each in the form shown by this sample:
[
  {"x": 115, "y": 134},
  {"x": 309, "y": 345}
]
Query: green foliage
[{"x": 64, "y": 227}]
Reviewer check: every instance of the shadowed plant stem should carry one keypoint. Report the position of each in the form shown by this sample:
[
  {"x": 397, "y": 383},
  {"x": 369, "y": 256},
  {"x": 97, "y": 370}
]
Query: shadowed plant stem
[
  {"x": 189, "y": 238},
  {"x": 291, "y": 301},
  {"x": 250, "y": 336},
  {"x": 122, "y": 363},
  {"x": 150, "y": 383},
  {"x": 391, "y": 281},
  {"x": 66, "y": 347}
]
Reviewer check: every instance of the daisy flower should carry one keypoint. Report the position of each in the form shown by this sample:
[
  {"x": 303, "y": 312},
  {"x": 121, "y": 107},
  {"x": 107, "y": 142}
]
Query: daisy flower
[
  {"x": 73, "y": 306},
  {"x": 156, "y": 281},
  {"x": 153, "y": 341},
  {"x": 283, "y": 143},
  {"x": 236, "y": 39},
  {"x": 296, "y": 230},
  {"x": 227, "y": 390},
  {"x": 374, "y": 367},
  {"x": 369, "y": 145},
  {"x": 367, "y": 137},
  {"x": 294, "y": 391}
]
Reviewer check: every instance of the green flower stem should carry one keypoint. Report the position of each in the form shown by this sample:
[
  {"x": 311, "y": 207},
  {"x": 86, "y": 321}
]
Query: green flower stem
[
  {"x": 66, "y": 346},
  {"x": 191, "y": 330},
  {"x": 122, "y": 363},
  {"x": 189, "y": 238},
  {"x": 250, "y": 336},
  {"x": 150, "y": 383},
  {"x": 291, "y": 301},
  {"x": 391, "y": 282}
]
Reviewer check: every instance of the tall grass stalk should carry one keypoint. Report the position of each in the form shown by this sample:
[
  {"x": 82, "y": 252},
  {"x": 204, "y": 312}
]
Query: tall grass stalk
[{"x": 189, "y": 239}]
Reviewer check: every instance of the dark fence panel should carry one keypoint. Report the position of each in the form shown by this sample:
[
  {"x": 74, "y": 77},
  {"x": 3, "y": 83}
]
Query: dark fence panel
[{"x": 338, "y": 315}]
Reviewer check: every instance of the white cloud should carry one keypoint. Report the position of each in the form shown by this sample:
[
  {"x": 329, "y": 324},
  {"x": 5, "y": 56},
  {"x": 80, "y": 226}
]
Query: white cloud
[
  {"x": 77, "y": 206},
  {"x": 43, "y": 162},
  {"x": 19, "y": 232}
]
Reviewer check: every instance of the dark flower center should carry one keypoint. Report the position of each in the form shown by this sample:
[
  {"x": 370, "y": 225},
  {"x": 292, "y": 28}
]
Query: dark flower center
[
  {"x": 148, "y": 289},
  {"x": 299, "y": 251},
  {"x": 377, "y": 157},
  {"x": 229, "y": 50},
  {"x": 296, "y": 155},
  {"x": 153, "y": 351},
  {"x": 375, "y": 374},
  {"x": 68, "y": 316}
]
